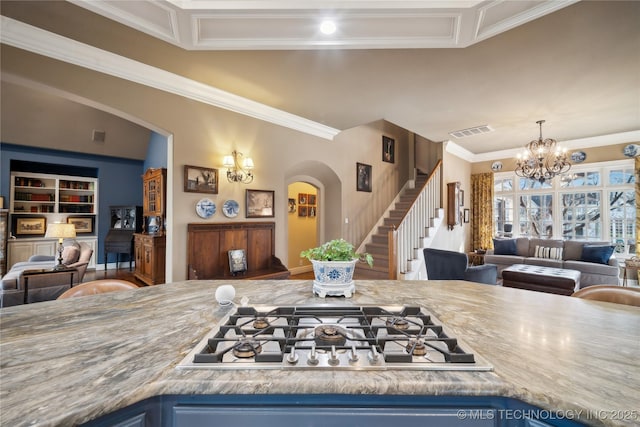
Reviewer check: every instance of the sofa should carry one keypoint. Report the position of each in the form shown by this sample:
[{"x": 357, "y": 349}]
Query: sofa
[
  {"x": 47, "y": 286},
  {"x": 594, "y": 260}
]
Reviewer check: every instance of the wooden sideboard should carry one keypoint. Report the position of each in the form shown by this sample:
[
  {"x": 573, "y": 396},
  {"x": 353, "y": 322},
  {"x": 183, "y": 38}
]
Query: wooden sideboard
[{"x": 209, "y": 244}]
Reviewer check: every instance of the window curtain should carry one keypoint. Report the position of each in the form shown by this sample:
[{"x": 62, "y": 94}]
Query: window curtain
[
  {"x": 637, "y": 168},
  {"x": 482, "y": 210}
]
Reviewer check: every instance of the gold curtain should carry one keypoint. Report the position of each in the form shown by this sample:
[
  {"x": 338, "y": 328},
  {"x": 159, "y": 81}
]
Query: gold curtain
[
  {"x": 637, "y": 168},
  {"x": 482, "y": 210}
]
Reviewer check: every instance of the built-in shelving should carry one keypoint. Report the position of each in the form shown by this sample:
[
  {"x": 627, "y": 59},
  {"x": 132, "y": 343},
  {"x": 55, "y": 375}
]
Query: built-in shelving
[{"x": 33, "y": 193}]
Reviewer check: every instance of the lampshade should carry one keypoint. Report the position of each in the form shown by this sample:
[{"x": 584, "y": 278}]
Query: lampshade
[
  {"x": 248, "y": 163},
  {"x": 228, "y": 161},
  {"x": 60, "y": 230}
]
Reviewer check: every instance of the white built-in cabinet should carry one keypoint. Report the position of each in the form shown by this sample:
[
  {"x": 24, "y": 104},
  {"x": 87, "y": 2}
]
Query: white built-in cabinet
[{"x": 54, "y": 198}]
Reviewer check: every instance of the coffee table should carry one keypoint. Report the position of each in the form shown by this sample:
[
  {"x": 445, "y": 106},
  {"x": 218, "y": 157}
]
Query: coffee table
[{"x": 552, "y": 280}]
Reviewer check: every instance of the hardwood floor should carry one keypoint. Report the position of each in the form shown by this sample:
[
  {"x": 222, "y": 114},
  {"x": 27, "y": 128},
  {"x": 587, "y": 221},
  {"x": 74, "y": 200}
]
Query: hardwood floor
[{"x": 125, "y": 274}]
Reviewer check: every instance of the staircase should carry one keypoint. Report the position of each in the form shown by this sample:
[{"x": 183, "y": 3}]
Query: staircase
[{"x": 395, "y": 255}]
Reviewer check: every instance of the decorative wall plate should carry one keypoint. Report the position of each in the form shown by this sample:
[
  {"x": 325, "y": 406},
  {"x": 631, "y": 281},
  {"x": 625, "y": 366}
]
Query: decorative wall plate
[
  {"x": 578, "y": 156},
  {"x": 496, "y": 166},
  {"x": 205, "y": 208},
  {"x": 230, "y": 208},
  {"x": 631, "y": 150}
]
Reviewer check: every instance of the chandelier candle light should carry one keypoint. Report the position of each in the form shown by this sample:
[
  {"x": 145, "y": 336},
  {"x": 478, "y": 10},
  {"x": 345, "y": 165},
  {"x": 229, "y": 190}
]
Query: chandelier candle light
[
  {"x": 235, "y": 172},
  {"x": 60, "y": 231},
  {"x": 542, "y": 159}
]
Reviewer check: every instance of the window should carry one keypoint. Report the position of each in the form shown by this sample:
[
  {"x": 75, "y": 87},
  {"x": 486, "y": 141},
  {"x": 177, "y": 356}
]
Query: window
[{"x": 591, "y": 202}]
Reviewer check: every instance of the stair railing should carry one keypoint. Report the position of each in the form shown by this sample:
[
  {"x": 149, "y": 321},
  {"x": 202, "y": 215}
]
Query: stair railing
[{"x": 405, "y": 238}]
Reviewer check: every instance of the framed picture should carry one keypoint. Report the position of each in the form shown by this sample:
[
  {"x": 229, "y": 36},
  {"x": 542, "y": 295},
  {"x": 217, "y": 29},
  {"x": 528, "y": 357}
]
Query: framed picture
[
  {"x": 30, "y": 226},
  {"x": 302, "y": 198},
  {"x": 200, "y": 180},
  {"x": 259, "y": 203},
  {"x": 363, "y": 177},
  {"x": 311, "y": 199},
  {"x": 237, "y": 261},
  {"x": 312, "y": 212},
  {"x": 466, "y": 215},
  {"x": 84, "y": 224},
  {"x": 302, "y": 210},
  {"x": 461, "y": 196},
  {"x": 388, "y": 149},
  {"x": 292, "y": 205}
]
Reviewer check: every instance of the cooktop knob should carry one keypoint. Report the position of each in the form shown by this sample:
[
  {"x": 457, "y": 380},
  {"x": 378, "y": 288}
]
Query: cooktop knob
[
  {"x": 292, "y": 358},
  {"x": 374, "y": 356},
  {"x": 313, "y": 356},
  {"x": 353, "y": 356},
  {"x": 333, "y": 357}
]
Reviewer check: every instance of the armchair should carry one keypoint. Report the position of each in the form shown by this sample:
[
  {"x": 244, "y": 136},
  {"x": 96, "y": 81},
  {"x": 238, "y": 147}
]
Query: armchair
[
  {"x": 451, "y": 265},
  {"x": 48, "y": 285}
]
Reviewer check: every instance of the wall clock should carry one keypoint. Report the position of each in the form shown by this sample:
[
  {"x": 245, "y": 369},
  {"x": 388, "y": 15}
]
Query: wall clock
[{"x": 205, "y": 208}]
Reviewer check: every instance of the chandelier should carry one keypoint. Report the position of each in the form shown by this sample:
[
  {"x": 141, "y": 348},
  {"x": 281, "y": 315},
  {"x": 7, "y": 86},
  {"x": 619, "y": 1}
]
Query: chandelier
[
  {"x": 542, "y": 159},
  {"x": 235, "y": 172}
]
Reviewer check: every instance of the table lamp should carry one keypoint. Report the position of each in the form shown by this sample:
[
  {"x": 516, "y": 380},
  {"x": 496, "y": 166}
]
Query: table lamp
[{"x": 60, "y": 231}]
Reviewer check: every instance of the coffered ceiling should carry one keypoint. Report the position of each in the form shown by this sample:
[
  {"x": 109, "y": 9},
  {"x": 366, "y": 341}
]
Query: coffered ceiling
[
  {"x": 295, "y": 24},
  {"x": 432, "y": 67}
]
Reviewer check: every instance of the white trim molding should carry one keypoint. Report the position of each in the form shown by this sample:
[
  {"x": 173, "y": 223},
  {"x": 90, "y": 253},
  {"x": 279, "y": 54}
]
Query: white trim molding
[{"x": 23, "y": 36}]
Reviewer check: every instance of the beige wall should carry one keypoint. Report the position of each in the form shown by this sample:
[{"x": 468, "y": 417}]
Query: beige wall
[
  {"x": 456, "y": 169},
  {"x": 303, "y": 230},
  {"x": 202, "y": 135}
]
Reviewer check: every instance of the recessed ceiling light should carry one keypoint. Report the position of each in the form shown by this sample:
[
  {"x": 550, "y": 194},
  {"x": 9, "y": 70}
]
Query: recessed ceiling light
[{"x": 328, "y": 27}]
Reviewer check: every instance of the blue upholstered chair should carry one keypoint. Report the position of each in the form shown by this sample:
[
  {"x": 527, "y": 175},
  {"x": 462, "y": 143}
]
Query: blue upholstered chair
[{"x": 450, "y": 265}]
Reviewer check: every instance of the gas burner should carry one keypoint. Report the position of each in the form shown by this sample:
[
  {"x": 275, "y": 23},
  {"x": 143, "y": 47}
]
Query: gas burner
[
  {"x": 260, "y": 323},
  {"x": 246, "y": 347},
  {"x": 416, "y": 347},
  {"x": 398, "y": 323},
  {"x": 327, "y": 335}
]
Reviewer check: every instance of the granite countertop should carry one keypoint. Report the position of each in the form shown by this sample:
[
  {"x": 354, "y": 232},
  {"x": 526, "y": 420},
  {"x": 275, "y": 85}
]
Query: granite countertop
[{"x": 66, "y": 362}]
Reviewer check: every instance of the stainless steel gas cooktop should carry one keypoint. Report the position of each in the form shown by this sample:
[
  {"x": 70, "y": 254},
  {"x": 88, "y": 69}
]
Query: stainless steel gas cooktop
[{"x": 332, "y": 337}]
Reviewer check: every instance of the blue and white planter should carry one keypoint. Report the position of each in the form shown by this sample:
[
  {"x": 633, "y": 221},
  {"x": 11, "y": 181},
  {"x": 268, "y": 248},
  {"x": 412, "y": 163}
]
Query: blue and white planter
[{"x": 334, "y": 278}]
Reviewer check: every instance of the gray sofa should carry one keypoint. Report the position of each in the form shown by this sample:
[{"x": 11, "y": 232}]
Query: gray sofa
[
  {"x": 592, "y": 273},
  {"x": 49, "y": 286}
]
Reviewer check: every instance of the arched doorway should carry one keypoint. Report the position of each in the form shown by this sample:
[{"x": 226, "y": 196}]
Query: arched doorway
[
  {"x": 302, "y": 223},
  {"x": 321, "y": 179}
]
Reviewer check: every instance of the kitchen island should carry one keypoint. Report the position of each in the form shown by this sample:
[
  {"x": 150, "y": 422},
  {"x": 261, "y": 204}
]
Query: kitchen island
[{"x": 70, "y": 361}]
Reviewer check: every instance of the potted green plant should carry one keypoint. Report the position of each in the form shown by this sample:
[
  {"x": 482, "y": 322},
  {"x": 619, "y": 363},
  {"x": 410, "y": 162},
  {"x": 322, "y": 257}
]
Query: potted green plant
[{"x": 333, "y": 266}]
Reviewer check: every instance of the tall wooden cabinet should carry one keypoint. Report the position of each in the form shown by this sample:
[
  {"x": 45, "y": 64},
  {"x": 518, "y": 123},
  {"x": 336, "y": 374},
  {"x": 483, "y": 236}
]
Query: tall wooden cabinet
[
  {"x": 150, "y": 245},
  {"x": 453, "y": 204}
]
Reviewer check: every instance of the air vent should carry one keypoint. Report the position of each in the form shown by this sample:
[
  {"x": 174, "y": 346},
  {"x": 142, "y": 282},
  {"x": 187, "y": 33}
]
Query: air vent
[
  {"x": 99, "y": 135},
  {"x": 464, "y": 133}
]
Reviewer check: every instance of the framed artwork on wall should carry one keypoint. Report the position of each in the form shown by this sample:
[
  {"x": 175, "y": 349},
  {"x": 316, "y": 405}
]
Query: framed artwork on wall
[
  {"x": 259, "y": 203},
  {"x": 466, "y": 215},
  {"x": 30, "y": 226},
  {"x": 200, "y": 180},
  {"x": 292, "y": 205},
  {"x": 363, "y": 177},
  {"x": 83, "y": 224},
  {"x": 302, "y": 210},
  {"x": 388, "y": 149}
]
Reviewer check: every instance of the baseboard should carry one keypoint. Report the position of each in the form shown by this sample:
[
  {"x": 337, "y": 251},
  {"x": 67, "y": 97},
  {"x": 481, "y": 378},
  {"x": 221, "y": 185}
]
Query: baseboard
[{"x": 300, "y": 270}]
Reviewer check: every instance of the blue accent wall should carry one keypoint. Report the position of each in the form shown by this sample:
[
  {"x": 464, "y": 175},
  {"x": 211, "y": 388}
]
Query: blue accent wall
[{"x": 119, "y": 179}]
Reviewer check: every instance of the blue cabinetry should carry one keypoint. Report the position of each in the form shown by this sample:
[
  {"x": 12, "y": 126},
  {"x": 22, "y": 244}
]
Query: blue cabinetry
[{"x": 330, "y": 411}]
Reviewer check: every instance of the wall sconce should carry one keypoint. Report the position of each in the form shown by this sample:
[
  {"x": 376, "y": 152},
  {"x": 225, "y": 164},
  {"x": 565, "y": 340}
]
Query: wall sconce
[{"x": 235, "y": 172}]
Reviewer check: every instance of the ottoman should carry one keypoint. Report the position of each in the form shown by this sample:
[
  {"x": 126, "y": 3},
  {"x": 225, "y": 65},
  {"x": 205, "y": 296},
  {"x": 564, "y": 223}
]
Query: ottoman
[{"x": 542, "y": 279}]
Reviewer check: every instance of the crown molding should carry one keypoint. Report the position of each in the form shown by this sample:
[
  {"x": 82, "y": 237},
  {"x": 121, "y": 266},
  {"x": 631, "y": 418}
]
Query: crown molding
[
  {"x": 571, "y": 144},
  {"x": 23, "y": 36}
]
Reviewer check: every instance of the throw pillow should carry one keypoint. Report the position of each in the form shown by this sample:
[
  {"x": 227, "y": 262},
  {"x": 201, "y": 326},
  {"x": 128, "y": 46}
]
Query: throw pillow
[
  {"x": 504, "y": 247},
  {"x": 597, "y": 254},
  {"x": 551, "y": 253},
  {"x": 70, "y": 254}
]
